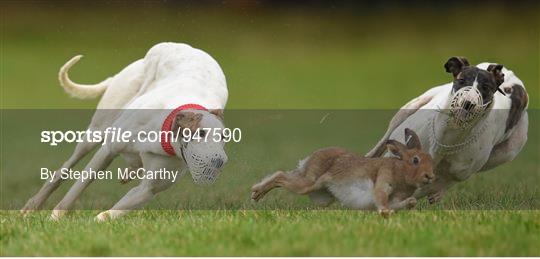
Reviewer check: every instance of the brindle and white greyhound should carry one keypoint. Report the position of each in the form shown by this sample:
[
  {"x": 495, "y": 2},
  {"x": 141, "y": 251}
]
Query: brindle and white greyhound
[{"x": 495, "y": 135}]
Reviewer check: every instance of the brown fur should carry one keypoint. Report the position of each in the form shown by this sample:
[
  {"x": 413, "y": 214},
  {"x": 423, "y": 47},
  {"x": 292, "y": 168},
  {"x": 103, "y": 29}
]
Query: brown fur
[
  {"x": 186, "y": 119},
  {"x": 395, "y": 178},
  {"x": 218, "y": 113},
  {"x": 519, "y": 98}
]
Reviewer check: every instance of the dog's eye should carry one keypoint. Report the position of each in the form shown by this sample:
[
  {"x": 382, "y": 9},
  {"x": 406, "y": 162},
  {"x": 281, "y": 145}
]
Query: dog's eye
[{"x": 415, "y": 160}]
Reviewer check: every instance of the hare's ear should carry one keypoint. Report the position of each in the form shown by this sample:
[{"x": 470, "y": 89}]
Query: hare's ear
[
  {"x": 412, "y": 140},
  {"x": 396, "y": 148}
]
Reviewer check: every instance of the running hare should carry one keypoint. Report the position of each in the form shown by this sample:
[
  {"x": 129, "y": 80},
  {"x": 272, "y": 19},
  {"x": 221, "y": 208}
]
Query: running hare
[{"x": 386, "y": 184}]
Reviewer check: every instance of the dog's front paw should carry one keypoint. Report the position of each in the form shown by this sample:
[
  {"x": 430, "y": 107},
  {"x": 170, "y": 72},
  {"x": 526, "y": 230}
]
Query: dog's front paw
[
  {"x": 26, "y": 213},
  {"x": 411, "y": 202},
  {"x": 103, "y": 216},
  {"x": 386, "y": 212},
  {"x": 30, "y": 206},
  {"x": 26, "y": 210},
  {"x": 56, "y": 215}
]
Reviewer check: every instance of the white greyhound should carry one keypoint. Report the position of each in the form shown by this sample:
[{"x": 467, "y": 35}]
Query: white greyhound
[
  {"x": 471, "y": 125},
  {"x": 173, "y": 87}
]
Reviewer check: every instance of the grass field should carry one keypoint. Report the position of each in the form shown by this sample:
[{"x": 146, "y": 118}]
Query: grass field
[
  {"x": 317, "y": 60},
  {"x": 277, "y": 233}
]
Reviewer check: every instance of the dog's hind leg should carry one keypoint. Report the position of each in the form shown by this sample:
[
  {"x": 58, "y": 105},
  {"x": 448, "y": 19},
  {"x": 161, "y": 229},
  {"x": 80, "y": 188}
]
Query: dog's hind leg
[
  {"x": 147, "y": 189},
  {"x": 99, "y": 161},
  {"x": 34, "y": 203}
]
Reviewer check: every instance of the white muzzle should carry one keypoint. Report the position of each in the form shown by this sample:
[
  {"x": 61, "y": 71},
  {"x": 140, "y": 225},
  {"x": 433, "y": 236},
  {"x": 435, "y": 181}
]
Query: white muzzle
[
  {"x": 204, "y": 161},
  {"x": 466, "y": 106}
]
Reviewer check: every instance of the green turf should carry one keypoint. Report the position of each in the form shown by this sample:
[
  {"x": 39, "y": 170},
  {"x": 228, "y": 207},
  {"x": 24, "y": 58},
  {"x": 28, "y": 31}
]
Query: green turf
[
  {"x": 493, "y": 213},
  {"x": 277, "y": 233},
  {"x": 273, "y": 59}
]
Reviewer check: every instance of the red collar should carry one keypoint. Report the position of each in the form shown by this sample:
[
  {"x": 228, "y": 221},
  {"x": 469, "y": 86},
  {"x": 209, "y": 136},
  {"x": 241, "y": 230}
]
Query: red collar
[{"x": 167, "y": 125}]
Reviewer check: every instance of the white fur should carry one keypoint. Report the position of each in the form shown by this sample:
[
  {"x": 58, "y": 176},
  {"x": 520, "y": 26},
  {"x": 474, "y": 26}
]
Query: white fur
[{"x": 354, "y": 194}]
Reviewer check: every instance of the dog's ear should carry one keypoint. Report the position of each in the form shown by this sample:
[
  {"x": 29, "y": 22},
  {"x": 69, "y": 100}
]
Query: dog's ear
[
  {"x": 496, "y": 71},
  {"x": 186, "y": 119},
  {"x": 455, "y": 65},
  {"x": 396, "y": 148},
  {"x": 412, "y": 140},
  {"x": 218, "y": 113}
]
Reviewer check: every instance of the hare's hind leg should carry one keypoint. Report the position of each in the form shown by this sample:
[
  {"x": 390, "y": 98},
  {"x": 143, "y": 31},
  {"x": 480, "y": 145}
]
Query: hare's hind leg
[{"x": 293, "y": 181}]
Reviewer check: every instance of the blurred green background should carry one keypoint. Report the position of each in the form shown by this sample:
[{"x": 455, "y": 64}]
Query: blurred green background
[{"x": 276, "y": 55}]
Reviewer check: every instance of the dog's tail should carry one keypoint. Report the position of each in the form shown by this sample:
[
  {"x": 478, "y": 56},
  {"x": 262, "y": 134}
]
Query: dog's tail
[{"x": 79, "y": 90}]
